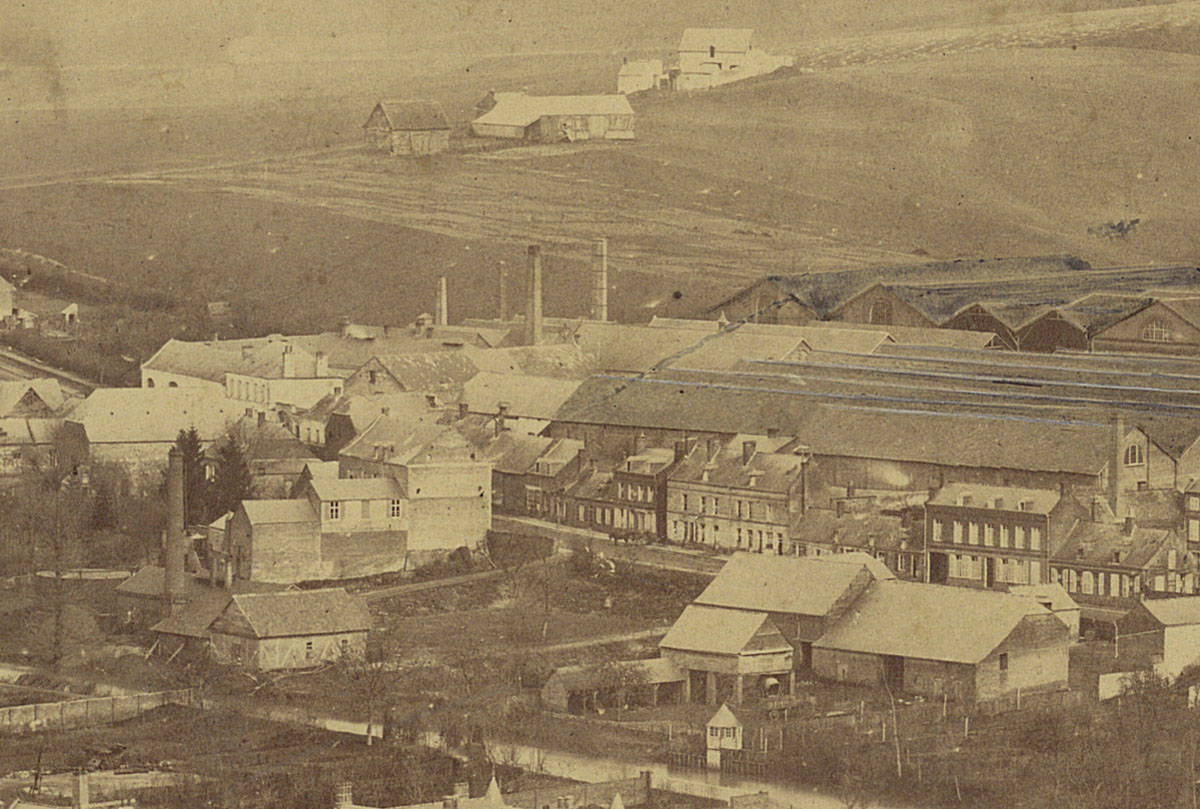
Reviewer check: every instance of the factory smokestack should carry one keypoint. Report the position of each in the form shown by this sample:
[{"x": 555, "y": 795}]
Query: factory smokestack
[
  {"x": 600, "y": 279},
  {"x": 503, "y": 293},
  {"x": 176, "y": 541},
  {"x": 533, "y": 313},
  {"x": 441, "y": 314}
]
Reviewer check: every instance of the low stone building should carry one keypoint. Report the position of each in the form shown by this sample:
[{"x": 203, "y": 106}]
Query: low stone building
[
  {"x": 934, "y": 640},
  {"x": 291, "y": 629}
]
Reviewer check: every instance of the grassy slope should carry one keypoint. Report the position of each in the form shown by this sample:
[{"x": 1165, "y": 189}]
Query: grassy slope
[{"x": 988, "y": 153}]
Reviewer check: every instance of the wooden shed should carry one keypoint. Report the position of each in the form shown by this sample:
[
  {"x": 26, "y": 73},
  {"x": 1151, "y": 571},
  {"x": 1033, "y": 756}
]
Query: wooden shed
[{"x": 412, "y": 128}]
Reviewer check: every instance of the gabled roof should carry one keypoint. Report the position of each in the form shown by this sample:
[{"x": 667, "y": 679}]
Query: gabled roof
[
  {"x": 537, "y": 397},
  {"x": 13, "y": 391},
  {"x": 412, "y": 115},
  {"x": 301, "y": 612},
  {"x": 929, "y": 622},
  {"x": 910, "y": 335},
  {"x": 392, "y": 440},
  {"x": 1010, "y": 498},
  {"x": 1103, "y": 544},
  {"x": 633, "y": 349},
  {"x": 713, "y": 630},
  {"x": 724, "y": 718},
  {"x": 941, "y": 289},
  {"x": 429, "y": 370},
  {"x": 735, "y": 40},
  {"x": 356, "y": 488},
  {"x": 27, "y": 432},
  {"x": 1180, "y": 611},
  {"x": 784, "y": 584},
  {"x": 279, "y": 511},
  {"x": 518, "y": 109},
  {"x": 137, "y": 415}
]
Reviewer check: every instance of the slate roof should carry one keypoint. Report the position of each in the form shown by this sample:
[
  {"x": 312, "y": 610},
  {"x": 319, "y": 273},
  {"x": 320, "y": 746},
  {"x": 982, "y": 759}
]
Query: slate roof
[
  {"x": 735, "y": 40},
  {"x": 690, "y": 401},
  {"x": 356, "y": 488},
  {"x": 784, "y": 584},
  {"x": 519, "y": 109},
  {"x": 1040, "y": 501},
  {"x": 417, "y": 116},
  {"x": 194, "y": 619},
  {"x": 634, "y": 349},
  {"x": 515, "y": 454},
  {"x": 928, "y": 622},
  {"x": 302, "y": 612},
  {"x": 279, "y": 511},
  {"x": 137, "y": 415},
  {"x": 1180, "y": 611},
  {"x": 1098, "y": 311},
  {"x": 1098, "y": 544},
  {"x": 537, "y": 397},
  {"x": 402, "y": 438},
  {"x": 868, "y": 529},
  {"x": 595, "y": 484},
  {"x": 770, "y": 470},
  {"x": 713, "y": 630}
]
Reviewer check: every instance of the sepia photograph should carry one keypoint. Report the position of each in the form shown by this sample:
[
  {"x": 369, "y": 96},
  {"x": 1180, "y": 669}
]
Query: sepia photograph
[{"x": 545, "y": 404}]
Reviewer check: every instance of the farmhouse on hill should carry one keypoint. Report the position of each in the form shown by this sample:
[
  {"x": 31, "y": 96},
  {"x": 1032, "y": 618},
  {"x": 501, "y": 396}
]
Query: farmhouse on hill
[
  {"x": 555, "y": 118},
  {"x": 413, "y": 128},
  {"x": 713, "y": 56},
  {"x": 642, "y": 74}
]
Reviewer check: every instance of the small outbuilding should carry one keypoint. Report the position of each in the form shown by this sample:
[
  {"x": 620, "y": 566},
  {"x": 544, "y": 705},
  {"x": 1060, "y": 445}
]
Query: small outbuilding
[
  {"x": 555, "y": 118},
  {"x": 292, "y": 629},
  {"x": 410, "y": 128},
  {"x": 724, "y": 731},
  {"x": 642, "y": 74},
  {"x": 1163, "y": 632}
]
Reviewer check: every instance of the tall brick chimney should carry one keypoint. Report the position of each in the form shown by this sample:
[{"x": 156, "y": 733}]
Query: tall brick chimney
[
  {"x": 533, "y": 310},
  {"x": 503, "y": 283},
  {"x": 600, "y": 279},
  {"x": 175, "y": 552},
  {"x": 441, "y": 314}
]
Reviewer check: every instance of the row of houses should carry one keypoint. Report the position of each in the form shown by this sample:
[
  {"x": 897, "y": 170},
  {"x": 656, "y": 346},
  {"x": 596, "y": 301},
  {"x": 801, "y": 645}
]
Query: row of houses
[{"x": 1040, "y": 304}]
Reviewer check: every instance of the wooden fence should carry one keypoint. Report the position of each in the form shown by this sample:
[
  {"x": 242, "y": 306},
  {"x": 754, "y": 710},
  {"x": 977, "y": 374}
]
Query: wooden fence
[{"x": 88, "y": 712}]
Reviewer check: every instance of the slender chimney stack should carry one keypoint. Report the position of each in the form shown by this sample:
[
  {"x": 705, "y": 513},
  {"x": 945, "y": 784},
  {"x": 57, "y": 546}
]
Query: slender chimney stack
[
  {"x": 533, "y": 313},
  {"x": 176, "y": 541},
  {"x": 441, "y": 315},
  {"x": 503, "y": 280},
  {"x": 600, "y": 280},
  {"x": 1114, "y": 467}
]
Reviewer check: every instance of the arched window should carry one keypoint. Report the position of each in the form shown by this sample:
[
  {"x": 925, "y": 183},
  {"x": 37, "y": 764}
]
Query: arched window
[
  {"x": 149, "y": 381},
  {"x": 1086, "y": 583},
  {"x": 1156, "y": 331},
  {"x": 1134, "y": 455},
  {"x": 172, "y": 384},
  {"x": 881, "y": 313}
]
